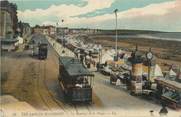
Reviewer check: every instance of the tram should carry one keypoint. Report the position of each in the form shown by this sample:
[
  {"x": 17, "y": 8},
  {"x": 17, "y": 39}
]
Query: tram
[
  {"x": 169, "y": 92},
  {"x": 75, "y": 80},
  {"x": 42, "y": 51}
]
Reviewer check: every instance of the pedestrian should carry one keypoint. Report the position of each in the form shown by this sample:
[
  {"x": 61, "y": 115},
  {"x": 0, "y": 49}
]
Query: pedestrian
[
  {"x": 97, "y": 66},
  {"x": 94, "y": 63},
  {"x": 82, "y": 59},
  {"x": 163, "y": 112}
]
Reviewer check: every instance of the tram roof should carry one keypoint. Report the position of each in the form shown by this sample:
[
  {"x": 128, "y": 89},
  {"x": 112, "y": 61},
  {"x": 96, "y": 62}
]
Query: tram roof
[
  {"x": 74, "y": 67},
  {"x": 169, "y": 83}
]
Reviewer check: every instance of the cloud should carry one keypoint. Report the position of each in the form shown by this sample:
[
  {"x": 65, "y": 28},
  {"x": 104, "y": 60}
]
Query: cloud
[
  {"x": 65, "y": 11},
  {"x": 153, "y": 9},
  {"x": 162, "y": 16}
]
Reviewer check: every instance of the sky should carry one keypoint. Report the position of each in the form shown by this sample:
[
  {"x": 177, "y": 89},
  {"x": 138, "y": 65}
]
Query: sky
[{"x": 161, "y": 15}]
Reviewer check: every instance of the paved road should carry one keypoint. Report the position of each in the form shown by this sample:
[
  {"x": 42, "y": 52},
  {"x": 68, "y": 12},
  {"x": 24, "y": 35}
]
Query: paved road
[
  {"x": 117, "y": 96},
  {"x": 117, "y": 99},
  {"x": 32, "y": 80}
]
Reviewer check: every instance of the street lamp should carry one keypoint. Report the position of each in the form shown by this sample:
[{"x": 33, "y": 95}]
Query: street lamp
[
  {"x": 100, "y": 53},
  {"x": 62, "y": 33},
  {"x": 149, "y": 56},
  {"x": 115, "y": 11},
  {"x": 57, "y": 28}
]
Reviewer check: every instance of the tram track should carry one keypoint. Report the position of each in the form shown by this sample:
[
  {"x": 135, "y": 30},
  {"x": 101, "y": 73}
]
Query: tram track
[
  {"x": 53, "y": 97},
  {"x": 81, "y": 108},
  {"x": 38, "y": 87},
  {"x": 45, "y": 94}
]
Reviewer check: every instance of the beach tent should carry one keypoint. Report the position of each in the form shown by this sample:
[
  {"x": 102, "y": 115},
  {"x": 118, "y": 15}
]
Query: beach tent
[
  {"x": 106, "y": 57},
  {"x": 110, "y": 52},
  {"x": 172, "y": 73},
  {"x": 157, "y": 71}
]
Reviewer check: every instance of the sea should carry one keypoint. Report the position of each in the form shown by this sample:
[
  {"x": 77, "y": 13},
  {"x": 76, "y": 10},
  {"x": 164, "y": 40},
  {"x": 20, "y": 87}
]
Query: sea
[
  {"x": 163, "y": 36},
  {"x": 173, "y": 36}
]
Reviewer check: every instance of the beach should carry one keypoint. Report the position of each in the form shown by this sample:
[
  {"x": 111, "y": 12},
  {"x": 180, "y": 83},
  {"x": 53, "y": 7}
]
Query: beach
[{"x": 168, "y": 52}]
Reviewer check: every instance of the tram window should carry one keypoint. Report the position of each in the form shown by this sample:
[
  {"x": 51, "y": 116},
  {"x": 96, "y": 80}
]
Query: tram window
[
  {"x": 78, "y": 82},
  {"x": 85, "y": 81},
  {"x": 82, "y": 81},
  {"x": 173, "y": 94}
]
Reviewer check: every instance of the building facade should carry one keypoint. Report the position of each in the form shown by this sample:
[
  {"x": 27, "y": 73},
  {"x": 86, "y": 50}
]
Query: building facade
[
  {"x": 52, "y": 30},
  {"x": 6, "y": 30},
  {"x": 9, "y": 20},
  {"x": 37, "y": 29},
  {"x": 62, "y": 30},
  {"x": 24, "y": 29},
  {"x": 8, "y": 25},
  {"x": 46, "y": 30}
]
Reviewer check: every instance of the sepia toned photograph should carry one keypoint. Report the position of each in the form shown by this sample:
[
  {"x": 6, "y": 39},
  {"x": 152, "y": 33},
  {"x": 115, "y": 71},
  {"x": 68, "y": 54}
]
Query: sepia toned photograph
[{"x": 90, "y": 58}]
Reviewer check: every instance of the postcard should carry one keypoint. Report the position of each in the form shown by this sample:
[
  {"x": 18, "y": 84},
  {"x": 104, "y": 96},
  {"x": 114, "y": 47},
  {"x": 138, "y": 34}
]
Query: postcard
[{"x": 94, "y": 58}]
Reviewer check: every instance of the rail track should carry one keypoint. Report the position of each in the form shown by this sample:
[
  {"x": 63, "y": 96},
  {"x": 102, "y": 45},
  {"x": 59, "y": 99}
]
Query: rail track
[
  {"x": 45, "y": 94},
  {"x": 85, "y": 107}
]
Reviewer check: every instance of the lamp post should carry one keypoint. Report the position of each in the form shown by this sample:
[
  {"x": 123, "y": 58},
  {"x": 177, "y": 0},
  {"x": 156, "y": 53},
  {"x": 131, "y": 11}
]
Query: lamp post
[
  {"x": 149, "y": 57},
  {"x": 57, "y": 28},
  {"x": 100, "y": 53},
  {"x": 115, "y": 11},
  {"x": 62, "y": 33}
]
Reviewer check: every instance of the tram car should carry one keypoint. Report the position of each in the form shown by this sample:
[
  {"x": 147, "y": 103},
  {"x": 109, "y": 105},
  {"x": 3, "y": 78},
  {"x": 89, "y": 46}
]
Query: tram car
[
  {"x": 169, "y": 92},
  {"x": 42, "y": 50},
  {"x": 75, "y": 80}
]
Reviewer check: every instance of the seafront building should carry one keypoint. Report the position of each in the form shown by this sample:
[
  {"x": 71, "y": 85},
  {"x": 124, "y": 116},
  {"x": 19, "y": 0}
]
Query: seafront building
[
  {"x": 24, "y": 29},
  {"x": 11, "y": 30},
  {"x": 8, "y": 22},
  {"x": 46, "y": 30}
]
